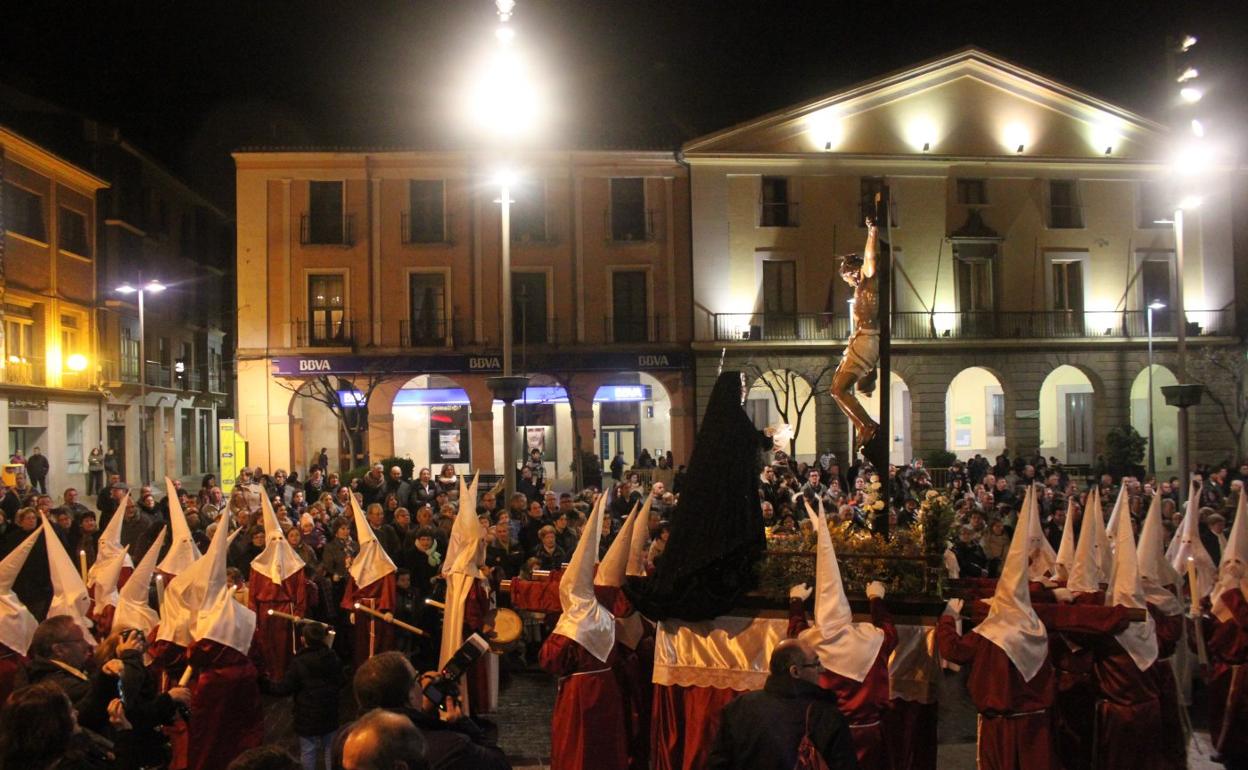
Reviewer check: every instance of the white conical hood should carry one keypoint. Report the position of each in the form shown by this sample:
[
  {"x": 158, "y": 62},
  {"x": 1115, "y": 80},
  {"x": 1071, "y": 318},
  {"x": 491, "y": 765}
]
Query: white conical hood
[
  {"x": 614, "y": 566},
  {"x": 1233, "y": 568},
  {"x": 1012, "y": 624},
  {"x": 69, "y": 593},
  {"x": 1104, "y": 546},
  {"x": 182, "y": 552},
  {"x": 1085, "y": 575},
  {"x": 1156, "y": 574},
  {"x": 1120, "y": 505},
  {"x": 639, "y": 541},
  {"x": 222, "y": 618},
  {"x": 17, "y": 625},
  {"x": 845, "y": 647},
  {"x": 584, "y": 620},
  {"x": 1186, "y": 547},
  {"x": 464, "y": 548},
  {"x": 278, "y": 560},
  {"x": 104, "y": 577},
  {"x": 1125, "y": 590},
  {"x": 110, "y": 550},
  {"x": 188, "y": 590},
  {"x": 1043, "y": 559},
  {"x": 1065, "y": 561},
  {"x": 133, "y": 610},
  {"x": 372, "y": 563}
]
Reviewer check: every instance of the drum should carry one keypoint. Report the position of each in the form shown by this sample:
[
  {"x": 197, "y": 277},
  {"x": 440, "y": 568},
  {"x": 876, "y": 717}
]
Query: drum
[{"x": 508, "y": 627}]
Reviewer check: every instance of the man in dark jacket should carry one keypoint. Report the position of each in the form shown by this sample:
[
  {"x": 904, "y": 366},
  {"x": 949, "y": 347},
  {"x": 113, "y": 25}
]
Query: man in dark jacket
[
  {"x": 762, "y": 730},
  {"x": 37, "y": 470},
  {"x": 61, "y": 655},
  {"x": 314, "y": 677}
]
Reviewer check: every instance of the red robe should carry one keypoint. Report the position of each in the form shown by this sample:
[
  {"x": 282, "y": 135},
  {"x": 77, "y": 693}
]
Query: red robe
[
  {"x": 684, "y": 723},
  {"x": 276, "y": 636},
  {"x": 1173, "y": 752},
  {"x": 863, "y": 703},
  {"x": 371, "y": 635},
  {"x": 11, "y": 664},
  {"x": 226, "y": 715},
  {"x": 168, "y": 662},
  {"x": 1014, "y": 715},
  {"x": 634, "y": 670},
  {"x": 1227, "y": 644},
  {"x": 476, "y": 607},
  {"x": 587, "y": 728}
]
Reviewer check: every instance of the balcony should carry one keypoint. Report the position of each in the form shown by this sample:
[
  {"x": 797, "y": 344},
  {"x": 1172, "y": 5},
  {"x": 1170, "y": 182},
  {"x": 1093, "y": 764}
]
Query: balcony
[
  {"x": 415, "y": 233},
  {"x": 541, "y": 331},
  {"x": 323, "y": 334},
  {"x": 329, "y": 233},
  {"x": 425, "y": 333},
  {"x": 24, "y": 370},
  {"x": 626, "y": 329},
  {"x": 975, "y": 325},
  {"x": 630, "y": 229},
  {"x": 157, "y": 375},
  {"x": 778, "y": 214}
]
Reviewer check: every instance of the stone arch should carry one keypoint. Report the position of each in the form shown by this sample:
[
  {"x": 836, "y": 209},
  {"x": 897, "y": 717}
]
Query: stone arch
[
  {"x": 976, "y": 413},
  {"x": 901, "y": 450},
  {"x": 1165, "y": 418},
  {"x": 427, "y": 418},
  {"x": 791, "y": 390},
  {"x": 312, "y": 426},
  {"x": 1068, "y": 415}
]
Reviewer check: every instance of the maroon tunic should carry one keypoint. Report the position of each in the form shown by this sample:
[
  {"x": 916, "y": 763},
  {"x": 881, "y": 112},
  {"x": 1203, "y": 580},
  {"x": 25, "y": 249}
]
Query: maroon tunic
[
  {"x": 226, "y": 717},
  {"x": 634, "y": 670},
  {"x": 10, "y": 665},
  {"x": 911, "y": 730},
  {"x": 1228, "y": 683},
  {"x": 1014, "y": 715},
  {"x": 1173, "y": 749},
  {"x": 684, "y": 723},
  {"x": 863, "y": 703},
  {"x": 275, "y": 636},
  {"x": 476, "y": 607},
  {"x": 587, "y": 728},
  {"x": 370, "y": 636},
  {"x": 168, "y": 662}
]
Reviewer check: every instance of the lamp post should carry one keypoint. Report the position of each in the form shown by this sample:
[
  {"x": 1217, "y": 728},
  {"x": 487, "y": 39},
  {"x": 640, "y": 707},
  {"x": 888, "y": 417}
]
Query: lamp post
[
  {"x": 151, "y": 287},
  {"x": 1152, "y": 454}
]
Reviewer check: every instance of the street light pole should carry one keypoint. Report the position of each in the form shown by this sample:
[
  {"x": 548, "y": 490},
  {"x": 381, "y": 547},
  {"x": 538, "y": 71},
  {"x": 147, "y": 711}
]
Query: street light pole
[
  {"x": 1181, "y": 347},
  {"x": 1152, "y": 453},
  {"x": 143, "y": 460},
  {"x": 509, "y": 406}
]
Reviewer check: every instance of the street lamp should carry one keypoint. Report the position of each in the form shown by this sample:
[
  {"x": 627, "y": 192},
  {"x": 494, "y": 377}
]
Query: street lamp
[
  {"x": 1152, "y": 455},
  {"x": 151, "y": 287}
]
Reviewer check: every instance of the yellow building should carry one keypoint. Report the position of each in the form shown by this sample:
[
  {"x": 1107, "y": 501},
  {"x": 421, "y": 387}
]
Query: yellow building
[
  {"x": 375, "y": 277},
  {"x": 47, "y": 284},
  {"x": 1029, "y": 234}
]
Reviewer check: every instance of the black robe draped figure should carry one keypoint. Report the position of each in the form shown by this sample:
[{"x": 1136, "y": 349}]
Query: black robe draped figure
[{"x": 717, "y": 526}]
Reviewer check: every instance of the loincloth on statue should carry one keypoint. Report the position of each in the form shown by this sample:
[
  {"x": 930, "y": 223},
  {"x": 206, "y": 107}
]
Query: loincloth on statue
[{"x": 862, "y": 353}]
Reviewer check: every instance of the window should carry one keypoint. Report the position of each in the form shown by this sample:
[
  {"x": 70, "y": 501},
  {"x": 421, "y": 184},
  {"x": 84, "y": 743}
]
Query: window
[
  {"x": 528, "y": 308},
  {"x": 628, "y": 209},
  {"x": 426, "y": 221},
  {"x": 327, "y": 308},
  {"x": 868, "y": 188},
  {"x": 427, "y": 324},
  {"x": 1068, "y": 286},
  {"x": 326, "y": 221},
  {"x": 972, "y": 192},
  {"x": 188, "y": 441},
  {"x": 996, "y": 422},
  {"x": 187, "y": 362},
  {"x": 776, "y": 209},
  {"x": 1157, "y": 285},
  {"x": 23, "y": 212},
  {"x": 69, "y": 336},
  {"x": 1064, "y": 209},
  {"x": 628, "y": 306},
  {"x": 72, "y": 232},
  {"x": 973, "y": 271},
  {"x": 73, "y": 443},
  {"x": 22, "y": 366},
  {"x": 206, "y": 459},
  {"x": 780, "y": 287},
  {"x": 1153, "y": 208},
  {"x": 528, "y": 214}
]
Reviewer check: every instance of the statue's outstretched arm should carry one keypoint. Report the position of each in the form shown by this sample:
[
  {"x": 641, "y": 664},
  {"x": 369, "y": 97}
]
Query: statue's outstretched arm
[{"x": 868, "y": 253}]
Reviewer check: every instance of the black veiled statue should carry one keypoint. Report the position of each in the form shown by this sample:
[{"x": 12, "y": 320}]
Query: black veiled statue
[{"x": 717, "y": 526}]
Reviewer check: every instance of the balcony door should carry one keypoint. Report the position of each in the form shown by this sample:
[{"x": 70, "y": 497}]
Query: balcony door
[
  {"x": 975, "y": 287},
  {"x": 1157, "y": 285},
  {"x": 528, "y": 308},
  {"x": 628, "y": 306},
  {"x": 327, "y": 311},
  {"x": 1079, "y": 429},
  {"x": 1067, "y": 287},
  {"x": 427, "y": 325},
  {"x": 779, "y": 299}
]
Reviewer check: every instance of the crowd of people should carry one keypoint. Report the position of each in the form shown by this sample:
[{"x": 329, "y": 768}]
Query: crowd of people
[{"x": 121, "y": 713}]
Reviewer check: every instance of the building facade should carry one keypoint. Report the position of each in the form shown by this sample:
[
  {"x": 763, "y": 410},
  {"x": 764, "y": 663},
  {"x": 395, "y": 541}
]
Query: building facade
[
  {"x": 1030, "y": 230},
  {"x": 369, "y": 307},
  {"x": 48, "y": 264}
]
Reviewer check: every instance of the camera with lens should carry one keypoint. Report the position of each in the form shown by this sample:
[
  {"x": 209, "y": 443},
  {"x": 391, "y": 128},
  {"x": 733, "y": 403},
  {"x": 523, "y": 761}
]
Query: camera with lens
[{"x": 446, "y": 684}]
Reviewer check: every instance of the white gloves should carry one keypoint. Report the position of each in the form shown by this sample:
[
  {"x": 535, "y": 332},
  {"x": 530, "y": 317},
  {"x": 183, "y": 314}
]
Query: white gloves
[
  {"x": 1064, "y": 595},
  {"x": 801, "y": 591},
  {"x": 875, "y": 590},
  {"x": 954, "y": 607}
]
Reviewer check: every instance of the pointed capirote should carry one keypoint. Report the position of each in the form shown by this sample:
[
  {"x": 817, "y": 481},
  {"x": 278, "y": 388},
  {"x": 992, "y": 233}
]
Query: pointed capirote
[
  {"x": 1066, "y": 551},
  {"x": 278, "y": 560},
  {"x": 17, "y": 625},
  {"x": 133, "y": 609},
  {"x": 182, "y": 551},
  {"x": 1158, "y": 577},
  {"x": 1233, "y": 568},
  {"x": 188, "y": 590},
  {"x": 465, "y": 547},
  {"x": 69, "y": 592},
  {"x": 1012, "y": 624},
  {"x": 641, "y": 537},
  {"x": 844, "y": 647},
  {"x": 584, "y": 620},
  {"x": 1187, "y": 549},
  {"x": 372, "y": 563},
  {"x": 1085, "y": 575},
  {"x": 1126, "y": 590}
]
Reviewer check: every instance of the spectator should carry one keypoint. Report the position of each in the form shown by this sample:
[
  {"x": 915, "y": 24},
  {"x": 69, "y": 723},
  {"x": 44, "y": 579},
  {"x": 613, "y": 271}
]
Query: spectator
[
  {"x": 373, "y": 484},
  {"x": 71, "y": 505},
  {"x": 145, "y": 708},
  {"x": 423, "y": 491},
  {"x": 314, "y": 677},
  {"x": 95, "y": 471},
  {"x": 972, "y": 561},
  {"x": 617, "y": 465},
  {"x": 61, "y": 656},
  {"x": 764, "y": 729},
  {"x": 37, "y": 470},
  {"x": 447, "y": 480},
  {"x": 38, "y": 732},
  {"x": 536, "y": 467},
  {"x": 995, "y": 542},
  {"x": 548, "y": 553}
]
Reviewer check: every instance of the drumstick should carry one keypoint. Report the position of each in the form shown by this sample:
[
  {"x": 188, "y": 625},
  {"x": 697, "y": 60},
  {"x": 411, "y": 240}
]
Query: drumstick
[
  {"x": 435, "y": 603},
  {"x": 390, "y": 618}
]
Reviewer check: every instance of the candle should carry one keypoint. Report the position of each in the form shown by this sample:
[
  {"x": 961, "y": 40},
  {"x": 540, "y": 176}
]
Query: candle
[
  {"x": 1191, "y": 584},
  {"x": 82, "y": 564},
  {"x": 160, "y": 593}
]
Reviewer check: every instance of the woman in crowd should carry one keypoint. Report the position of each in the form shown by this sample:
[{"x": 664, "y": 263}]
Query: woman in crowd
[{"x": 447, "y": 480}]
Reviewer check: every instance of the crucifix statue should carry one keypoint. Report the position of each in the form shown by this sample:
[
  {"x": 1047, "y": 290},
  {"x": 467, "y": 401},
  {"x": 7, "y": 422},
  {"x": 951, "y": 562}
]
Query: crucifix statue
[{"x": 857, "y": 369}]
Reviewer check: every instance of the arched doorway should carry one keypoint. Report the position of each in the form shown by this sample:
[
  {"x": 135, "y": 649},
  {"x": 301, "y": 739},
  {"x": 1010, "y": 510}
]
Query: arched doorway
[
  {"x": 1165, "y": 417},
  {"x": 632, "y": 411},
  {"x": 782, "y": 395},
  {"x": 314, "y": 426},
  {"x": 900, "y": 451},
  {"x": 975, "y": 414},
  {"x": 1067, "y": 427},
  {"x": 431, "y": 423}
]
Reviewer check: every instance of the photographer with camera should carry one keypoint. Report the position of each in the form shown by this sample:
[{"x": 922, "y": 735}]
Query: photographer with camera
[
  {"x": 388, "y": 681},
  {"x": 139, "y": 701}
]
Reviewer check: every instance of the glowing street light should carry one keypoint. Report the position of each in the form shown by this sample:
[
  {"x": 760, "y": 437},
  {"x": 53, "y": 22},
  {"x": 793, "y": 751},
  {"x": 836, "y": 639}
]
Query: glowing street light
[
  {"x": 152, "y": 286},
  {"x": 1152, "y": 455}
]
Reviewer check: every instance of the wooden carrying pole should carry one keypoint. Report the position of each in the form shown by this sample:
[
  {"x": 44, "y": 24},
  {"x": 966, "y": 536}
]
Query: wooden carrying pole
[{"x": 388, "y": 617}]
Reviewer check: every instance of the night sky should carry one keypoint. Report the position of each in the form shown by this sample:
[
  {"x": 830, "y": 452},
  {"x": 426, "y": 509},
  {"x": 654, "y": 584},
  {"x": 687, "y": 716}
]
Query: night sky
[{"x": 188, "y": 81}]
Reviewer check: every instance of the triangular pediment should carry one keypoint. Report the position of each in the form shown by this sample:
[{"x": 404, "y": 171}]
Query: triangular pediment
[{"x": 967, "y": 104}]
